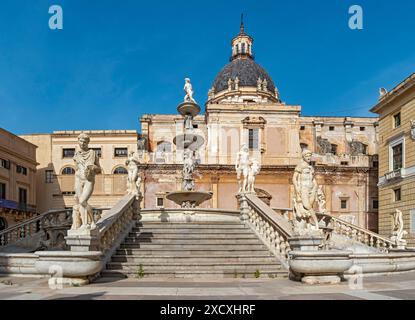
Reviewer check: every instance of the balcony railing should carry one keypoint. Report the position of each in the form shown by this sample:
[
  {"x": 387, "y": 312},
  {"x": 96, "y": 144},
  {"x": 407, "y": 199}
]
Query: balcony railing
[
  {"x": 393, "y": 175},
  {"x": 9, "y": 204}
]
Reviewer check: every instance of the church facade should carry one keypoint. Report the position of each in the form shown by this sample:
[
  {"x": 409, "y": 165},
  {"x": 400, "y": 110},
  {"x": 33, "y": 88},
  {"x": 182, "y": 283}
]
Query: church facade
[{"x": 244, "y": 107}]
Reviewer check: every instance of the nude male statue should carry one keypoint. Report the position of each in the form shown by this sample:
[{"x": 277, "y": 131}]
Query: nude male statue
[
  {"x": 87, "y": 166},
  {"x": 188, "y": 88},
  {"x": 134, "y": 179},
  {"x": 305, "y": 188},
  {"x": 242, "y": 167}
]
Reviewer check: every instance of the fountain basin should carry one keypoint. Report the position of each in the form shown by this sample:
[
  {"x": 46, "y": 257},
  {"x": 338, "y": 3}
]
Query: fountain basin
[
  {"x": 188, "y": 109},
  {"x": 189, "y": 199}
]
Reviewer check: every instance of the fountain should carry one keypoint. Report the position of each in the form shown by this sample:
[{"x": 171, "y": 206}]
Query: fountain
[{"x": 190, "y": 143}]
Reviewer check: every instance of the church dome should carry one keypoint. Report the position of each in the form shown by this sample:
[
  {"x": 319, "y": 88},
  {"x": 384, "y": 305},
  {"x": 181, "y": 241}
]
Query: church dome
[{"x": 246, "y": 70}]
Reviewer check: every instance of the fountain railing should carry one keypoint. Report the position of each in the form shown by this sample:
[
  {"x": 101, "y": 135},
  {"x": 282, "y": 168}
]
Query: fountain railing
[
  {"x": 34, "y": 225},
  {"x": 356, "y": 233},
  {"x": 116, "y": 223},
  {"x": 272, "y": 229}
]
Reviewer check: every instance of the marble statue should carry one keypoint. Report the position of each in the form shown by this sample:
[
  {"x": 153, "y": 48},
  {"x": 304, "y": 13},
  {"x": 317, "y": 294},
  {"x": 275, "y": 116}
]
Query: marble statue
[
  {"x": 87, "y": 166},
  {"x": 357, "y": 148},
  {"x": 321, "y": 199},
  {"x": 242, "y": 167},
  {"x": 134, "y": 178},
  {"x": 189, "y": 165},
  {"x": 413, "y": 129},
  {"x": 398, "y": 232},
  {"x": 277, "y": 94},
  {"x": 188, "y": 122},
  {"x": 265, "y": 85},
  {"x": 236, "y": 83},
  {"x": 259, "y": 84},
  {"x": 382, "y": 92},
  {"x": 230, "y": 84},
  {"x": 305, "y": 189},
  {"x": 254, "y": 169},
  {"x": 188, "y": 88}
]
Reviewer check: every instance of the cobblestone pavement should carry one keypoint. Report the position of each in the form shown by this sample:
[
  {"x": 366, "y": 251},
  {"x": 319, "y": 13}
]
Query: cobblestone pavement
[{"x": 397, "y": 287}]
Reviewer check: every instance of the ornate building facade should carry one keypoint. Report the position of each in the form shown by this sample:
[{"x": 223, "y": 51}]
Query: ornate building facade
[
  {"x": 397, "y": 157},
  {"x": 244, "y": 107}
]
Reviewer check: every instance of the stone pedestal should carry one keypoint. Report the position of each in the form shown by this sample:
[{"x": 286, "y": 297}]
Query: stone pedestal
[
  {"x": 83, "y": 240},
  {"x": 306, "y": 243},
  {"x": 243, "y": 207}
]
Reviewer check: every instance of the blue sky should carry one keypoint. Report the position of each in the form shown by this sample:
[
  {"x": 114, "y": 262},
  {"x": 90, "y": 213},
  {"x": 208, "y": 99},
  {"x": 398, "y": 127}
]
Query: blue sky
[{"x": 116, "y": 60}]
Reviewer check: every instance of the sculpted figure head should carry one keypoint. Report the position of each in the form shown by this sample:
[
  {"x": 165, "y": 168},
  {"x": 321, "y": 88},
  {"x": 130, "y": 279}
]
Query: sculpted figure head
[
  {"x": 83, "y": 140},
  {"x": 307, "y": 155},
  {"x": 244, "y": 148}
]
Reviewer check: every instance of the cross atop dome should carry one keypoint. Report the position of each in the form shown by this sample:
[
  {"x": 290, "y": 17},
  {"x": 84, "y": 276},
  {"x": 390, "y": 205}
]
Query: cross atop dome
[{"x": 242, "y": 44}]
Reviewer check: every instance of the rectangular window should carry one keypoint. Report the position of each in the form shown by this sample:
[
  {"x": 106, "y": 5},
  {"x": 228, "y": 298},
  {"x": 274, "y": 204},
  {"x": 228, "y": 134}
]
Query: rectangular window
[
  {"x": 344, "y": 163},
  {"x": 375, "y": 204},
  {"x": 121, "y": 152},
  {"x": 22, "y": 196},
  {"x": 397, "y": 156},
  {"x": 2, "y": 191},
  {"x": 160, "y": 202},
  {"x": 68, "y": 153},
  {"x": 253, "y": 139},
  {"x": 397, "y": 120},
  {"x": 302, "y": 128},
  {"x": 5, "y": 164},
  {"x": 375, "y": 164},
  {"x": 332, "y": 128},
  {"x": 98, "y": 151},
  {"x": 343, "y": 204},
  {"x": 49, "y": 176},
  {"x": 398, "y": 195},
  {"x": 362, "y": 128},
  {"x": 22, "y": 170}
]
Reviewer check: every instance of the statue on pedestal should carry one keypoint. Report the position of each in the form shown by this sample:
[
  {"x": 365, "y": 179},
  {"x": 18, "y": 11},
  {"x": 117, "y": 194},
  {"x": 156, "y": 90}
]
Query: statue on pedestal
[
  {"x": 242, "y": 167},
  {"x": 188, "y": 88},
  {"x": 398, "y": 232},
  {"x": 321, "y": 199},
  {"x": 305, "y": 189},
  {"x": 134, "y": 178},
  {"x": 87, "y": 166}
]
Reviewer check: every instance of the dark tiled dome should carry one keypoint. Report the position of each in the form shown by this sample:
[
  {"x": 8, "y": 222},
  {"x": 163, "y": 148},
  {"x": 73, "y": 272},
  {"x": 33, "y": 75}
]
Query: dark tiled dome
[{"x": 248, "y": 72}]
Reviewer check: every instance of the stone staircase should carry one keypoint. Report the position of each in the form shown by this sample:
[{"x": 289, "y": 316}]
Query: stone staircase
[{"x": 196, "y": 250}]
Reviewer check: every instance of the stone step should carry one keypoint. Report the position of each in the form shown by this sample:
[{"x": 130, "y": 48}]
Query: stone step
[
  {"x": 192, "y": 252},
  {"x": 133, "y": 267},
  {"x": 227, "y": 241},
  {"x": 191, "y": 235},
  {"x": 219, "y": 224},
  {"x": 191, "y": 231},
  {"x": 192, "y": 246},
  {"x": 198, "y": 274},
  {"x": 191, "y": 259}
]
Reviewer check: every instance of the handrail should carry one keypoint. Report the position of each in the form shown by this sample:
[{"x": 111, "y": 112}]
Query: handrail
[
  {"x": 273, "y": 230},
  {"x": 357, "y": 233},
  {"x": 36, "y": 224}
]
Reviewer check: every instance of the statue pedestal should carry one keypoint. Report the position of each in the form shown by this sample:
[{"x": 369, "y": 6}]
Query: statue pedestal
[
  {"x": 83, "y": 240},
  {"x": 306, "y": 243}
]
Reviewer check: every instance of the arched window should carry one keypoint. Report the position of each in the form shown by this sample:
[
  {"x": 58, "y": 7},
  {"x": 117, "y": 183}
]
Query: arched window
[
  {"x": 120, "y": 170},
  {"x": 68, "y": 171},
  {"x": 3, "y": 224}
]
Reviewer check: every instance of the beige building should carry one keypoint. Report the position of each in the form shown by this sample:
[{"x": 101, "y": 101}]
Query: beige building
[
  {"x": 17, "y": 179},
  {"x": 55, "y": 179},
  {"x": 244, "y": 107},
  {"x": 397, "y": 157}
]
